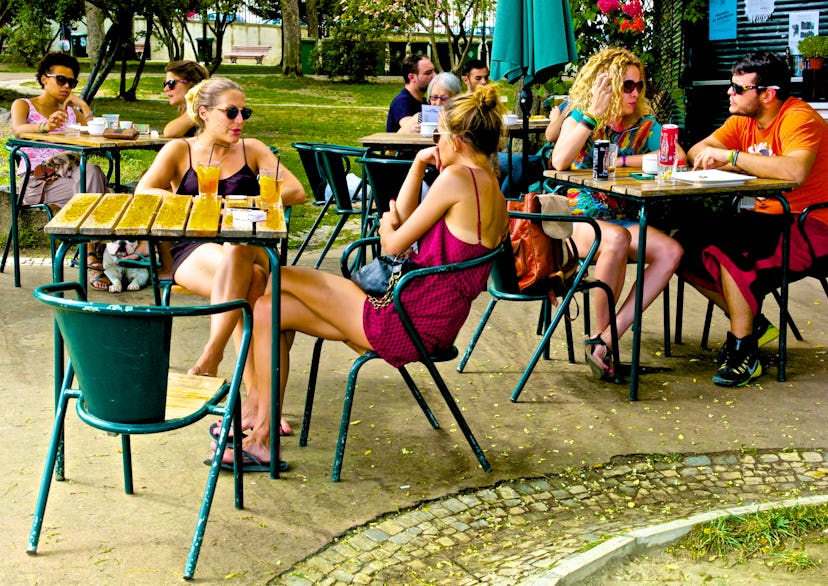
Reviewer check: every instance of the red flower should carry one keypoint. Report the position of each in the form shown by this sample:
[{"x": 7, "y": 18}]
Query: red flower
[
  {"x": 638, "y": 24},
  {"x": 607, "y": 6},
  {"x": 633, "y": 8},
  {"x": 625, "y": 25}
]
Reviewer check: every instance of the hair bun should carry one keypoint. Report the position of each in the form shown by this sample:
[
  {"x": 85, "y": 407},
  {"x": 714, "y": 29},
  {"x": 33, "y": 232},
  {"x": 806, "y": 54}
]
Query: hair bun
[{"x": 190, "y": 98}]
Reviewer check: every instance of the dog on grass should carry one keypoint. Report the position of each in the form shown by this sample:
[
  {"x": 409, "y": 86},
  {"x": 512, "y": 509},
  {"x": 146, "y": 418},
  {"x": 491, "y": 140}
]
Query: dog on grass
[{"x": 134, "y": 278}]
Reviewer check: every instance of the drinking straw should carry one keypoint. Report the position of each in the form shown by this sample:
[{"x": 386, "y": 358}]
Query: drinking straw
[
  {"x": 278, "y": 164},
  {"x": 210, "y": 159}
]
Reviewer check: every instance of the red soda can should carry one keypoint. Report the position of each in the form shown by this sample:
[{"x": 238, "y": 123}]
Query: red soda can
[
  {"x": 669, "y": 139},
  {"x": 667, "y": 152}
]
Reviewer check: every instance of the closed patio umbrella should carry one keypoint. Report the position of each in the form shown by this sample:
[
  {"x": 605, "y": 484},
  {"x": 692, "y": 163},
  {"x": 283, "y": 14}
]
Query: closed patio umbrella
[{"x": 532, "y": 39}]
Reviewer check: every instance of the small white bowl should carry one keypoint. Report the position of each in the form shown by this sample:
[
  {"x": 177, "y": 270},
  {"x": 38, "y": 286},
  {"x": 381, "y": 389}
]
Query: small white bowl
[
  {"x": 96, "y": 127},
  {"x": 428, "y": 128},
  {"x": 650, "y": 164},
  {"x": 510, "y": 119}
]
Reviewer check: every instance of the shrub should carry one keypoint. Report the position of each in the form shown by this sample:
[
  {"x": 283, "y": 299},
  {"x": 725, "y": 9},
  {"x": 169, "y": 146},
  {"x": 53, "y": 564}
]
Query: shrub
[{"x": 349, "y": 54}]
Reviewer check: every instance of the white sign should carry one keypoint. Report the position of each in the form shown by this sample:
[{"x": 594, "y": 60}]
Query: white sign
[
  {"x": 758, "y": 10},
  {"x": 800, "y": 25}
]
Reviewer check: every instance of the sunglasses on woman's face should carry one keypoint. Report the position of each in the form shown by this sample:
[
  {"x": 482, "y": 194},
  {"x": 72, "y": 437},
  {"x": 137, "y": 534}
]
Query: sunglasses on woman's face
[
  {"x": 63, "y": 80},
  {"x": 170, "y": 83},
  {"x": 436, "y": 136},
  {"x": 232, "y": 112},
  {"x": 630, "y": 85}
]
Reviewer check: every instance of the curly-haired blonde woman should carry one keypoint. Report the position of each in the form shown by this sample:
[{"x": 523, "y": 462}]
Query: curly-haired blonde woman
[
  {"x": 607, "y": 101},
  {"x": 463, "y": 217},
  {"x": 219, "y": 272}
]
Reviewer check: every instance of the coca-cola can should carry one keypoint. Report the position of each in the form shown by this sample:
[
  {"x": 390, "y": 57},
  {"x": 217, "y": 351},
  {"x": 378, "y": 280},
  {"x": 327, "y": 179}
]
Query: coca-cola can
[
  {"x": 599, "y": 159},
  {"x": 669, "y": 139}
]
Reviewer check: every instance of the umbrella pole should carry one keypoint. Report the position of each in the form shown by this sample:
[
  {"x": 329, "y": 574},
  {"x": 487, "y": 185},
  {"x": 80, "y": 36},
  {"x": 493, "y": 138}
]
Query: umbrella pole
[{"x": 525, "y": 107}]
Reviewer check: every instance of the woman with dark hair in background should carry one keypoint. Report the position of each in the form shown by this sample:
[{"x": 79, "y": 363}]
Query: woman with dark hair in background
[{"x": 181, "y": 77}]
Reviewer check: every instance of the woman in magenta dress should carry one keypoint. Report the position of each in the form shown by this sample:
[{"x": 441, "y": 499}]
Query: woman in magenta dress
[{"x": 462, "y": 217}]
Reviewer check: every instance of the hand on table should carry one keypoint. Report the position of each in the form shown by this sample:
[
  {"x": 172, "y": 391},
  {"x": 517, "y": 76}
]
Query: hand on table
[{"x": 711, "y": 158}]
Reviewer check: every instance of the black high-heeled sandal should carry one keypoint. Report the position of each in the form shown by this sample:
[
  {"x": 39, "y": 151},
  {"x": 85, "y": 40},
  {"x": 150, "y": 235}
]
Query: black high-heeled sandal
[{"x": 600, "y": 369}]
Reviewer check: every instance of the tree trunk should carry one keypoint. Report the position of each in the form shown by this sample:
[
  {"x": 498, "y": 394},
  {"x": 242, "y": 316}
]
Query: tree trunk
[
  {"x": 291, "y": 32},
  {"x": 313, "y": 19},
  {"x": 94, "y": 31}
]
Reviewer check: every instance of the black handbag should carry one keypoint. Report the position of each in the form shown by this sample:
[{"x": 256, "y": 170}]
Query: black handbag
[{"x": 379, "y": 277}]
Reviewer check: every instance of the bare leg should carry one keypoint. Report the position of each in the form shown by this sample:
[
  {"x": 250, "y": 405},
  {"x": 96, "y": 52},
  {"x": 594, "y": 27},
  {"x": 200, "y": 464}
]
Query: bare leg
[
  {"x": 611, "y": 264},
  {"x": 313, "y": 302},
  {"x": 741, "y": 316},
  {"x": 662, "y": 257}
]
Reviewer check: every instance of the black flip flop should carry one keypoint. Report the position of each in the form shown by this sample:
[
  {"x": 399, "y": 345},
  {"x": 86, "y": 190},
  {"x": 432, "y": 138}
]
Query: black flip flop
[
  {"x": 251, "y": 463},
  {"x": 213, "y": 430}
]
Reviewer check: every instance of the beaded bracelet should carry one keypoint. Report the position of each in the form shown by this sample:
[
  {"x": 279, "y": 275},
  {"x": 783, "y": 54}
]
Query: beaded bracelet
[
  {"x": 623, "y": 160},
  {"x": 736, "y": 158},
  {"x": 42, "y": 129}
]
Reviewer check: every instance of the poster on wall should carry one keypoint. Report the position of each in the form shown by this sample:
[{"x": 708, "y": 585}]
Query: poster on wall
[
  {"x": 800, "y": 25},
  {"x": 722, "y": 20},
  {"x": 758, "y": 10}
]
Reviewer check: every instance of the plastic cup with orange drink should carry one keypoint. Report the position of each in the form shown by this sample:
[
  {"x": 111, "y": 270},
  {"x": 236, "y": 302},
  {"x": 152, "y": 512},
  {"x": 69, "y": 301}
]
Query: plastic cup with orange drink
[
  {"x": 208, "y": 178},
  {"x": 270, "y": 188}
]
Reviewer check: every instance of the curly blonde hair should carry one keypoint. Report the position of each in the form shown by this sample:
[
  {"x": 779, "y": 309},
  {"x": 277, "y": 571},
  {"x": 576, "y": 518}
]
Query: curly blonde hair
[
  {"x": 207, "y": 94},
  {"x": 477, "y": 118},
  {"x": 613, "y": 61}
]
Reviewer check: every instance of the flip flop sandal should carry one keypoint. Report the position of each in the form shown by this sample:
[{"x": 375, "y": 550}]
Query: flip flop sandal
[
  {"x": 600, "y": 369},
  {"x": 98, "y": 276},
  {"x": 213, "y": 430},
  {"x": 250, "y": 463}
]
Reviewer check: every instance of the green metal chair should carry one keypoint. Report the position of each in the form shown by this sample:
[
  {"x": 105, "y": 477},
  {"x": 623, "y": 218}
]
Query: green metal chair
[
  {"x": 18, "y": 156},
  {"x": 385, "y": 176},
  {"x": 504, "y": 286},
  {"x": 332, "y": 165},
  {"x": 426, "y": 359},
  {"x": 144, "y": 397}
]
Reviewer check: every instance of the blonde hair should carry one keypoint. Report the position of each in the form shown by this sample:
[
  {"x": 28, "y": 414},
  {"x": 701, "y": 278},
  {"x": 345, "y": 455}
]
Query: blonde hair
[
  {"x": 477, "y": 118},
  {"x": 207, "y": 94},
  {"x": 613, "y": 61}
]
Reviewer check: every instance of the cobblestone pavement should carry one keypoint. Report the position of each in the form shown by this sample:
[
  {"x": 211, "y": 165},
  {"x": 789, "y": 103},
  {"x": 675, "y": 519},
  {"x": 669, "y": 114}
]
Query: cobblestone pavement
[{"x": 518, "y": 530}]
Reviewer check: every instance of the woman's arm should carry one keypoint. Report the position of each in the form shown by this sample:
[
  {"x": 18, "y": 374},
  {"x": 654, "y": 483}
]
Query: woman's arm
[
  {"x": 82, "y": 110},
  {"x": 178, "y": 127},
  {"x": 570, "y": 143},
  {"x": 19, "y": 119},
  {"x": 165, "y": 173}
]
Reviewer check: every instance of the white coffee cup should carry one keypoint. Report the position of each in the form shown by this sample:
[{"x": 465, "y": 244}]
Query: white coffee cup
[
  {"x": 125, "y": 124},
  {"x": 96, "y": 126},
  {"x": 428, "y": 128},
  {"x": 650, "y": 164},
  {"x": 510, "y": 119}
]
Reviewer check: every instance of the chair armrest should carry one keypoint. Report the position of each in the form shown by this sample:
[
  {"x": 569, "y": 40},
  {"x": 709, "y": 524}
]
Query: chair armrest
[
  {"x": 357, "y": 245},
  {"x": 60, "y": 288}
]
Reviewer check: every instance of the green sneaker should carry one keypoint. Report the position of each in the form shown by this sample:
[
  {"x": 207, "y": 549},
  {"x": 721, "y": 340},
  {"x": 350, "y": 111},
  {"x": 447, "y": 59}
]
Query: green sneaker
[
  {"x": 742, "y": 365},
  {"x": 764, "y": 331}
]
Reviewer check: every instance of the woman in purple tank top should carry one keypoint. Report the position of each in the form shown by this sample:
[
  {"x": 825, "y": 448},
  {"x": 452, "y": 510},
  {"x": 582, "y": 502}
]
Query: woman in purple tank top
[
  {"x": 462, "y": 217},
  {"x": 218, "y": 272}
]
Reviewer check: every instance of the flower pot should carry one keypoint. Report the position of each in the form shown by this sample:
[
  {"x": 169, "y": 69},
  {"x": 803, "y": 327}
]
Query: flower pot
[{"x": 815, "y": 62}]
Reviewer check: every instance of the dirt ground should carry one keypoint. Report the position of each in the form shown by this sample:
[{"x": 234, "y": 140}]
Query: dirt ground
[{"x": 93, "y": 532}]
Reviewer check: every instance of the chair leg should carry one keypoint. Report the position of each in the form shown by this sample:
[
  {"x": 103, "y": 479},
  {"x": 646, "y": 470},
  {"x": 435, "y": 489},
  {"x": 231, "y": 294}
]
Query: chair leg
[
  {"x": 708, "y": 318},
  {"x": 314, "y": 371},
  {"x": 418, "y": 396},
  {"x": 311, "y": 231},
  {"x": 126, "y": 456},
  {"x": 232, "y": 416},
  {"x": 791, "y": 324},
  {"x": 337, "y": 229},
  {"x": 48, "y": 470},
  {"x": 665, "y": 296},
  {"x": 679, "y": 310},
  {"x": 477, "y": 333},
  {"x": 458, "y": 415},
  {"x": 346, "y": 414}
]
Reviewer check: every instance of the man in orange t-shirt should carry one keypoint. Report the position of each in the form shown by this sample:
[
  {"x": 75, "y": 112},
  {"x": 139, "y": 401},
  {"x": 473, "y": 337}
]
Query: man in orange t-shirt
[{"x": 771, "y": 135}]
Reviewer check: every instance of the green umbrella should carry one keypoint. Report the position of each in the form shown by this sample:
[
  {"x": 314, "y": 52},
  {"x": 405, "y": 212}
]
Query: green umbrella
[{"x": 531, "y": 39}]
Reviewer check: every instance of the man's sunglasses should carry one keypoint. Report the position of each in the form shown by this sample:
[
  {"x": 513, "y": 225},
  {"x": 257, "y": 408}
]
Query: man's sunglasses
[
  {"x": 630, "y": 85},
  {"x": 170, "y": 83},
  {"x": 740, "y": 89},
  {"x": 63, "y": 80},
  {"x": 232, "y": 112}
]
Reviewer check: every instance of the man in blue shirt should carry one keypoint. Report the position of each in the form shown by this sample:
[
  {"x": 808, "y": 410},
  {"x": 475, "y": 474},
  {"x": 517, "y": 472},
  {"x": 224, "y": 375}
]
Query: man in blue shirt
[{"x": 417, "y": 72}]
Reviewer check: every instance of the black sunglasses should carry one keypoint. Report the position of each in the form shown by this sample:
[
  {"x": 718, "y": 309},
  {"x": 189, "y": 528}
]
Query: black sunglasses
[
  {"x": 63, "y": 80},
  {"x": 630, "y": 85},
  {"x": 435, "y": 136},
  {"x": 232, "y": 112},
  {"x": 740, "y": 89},
  {"x": 170, "y": 83}
]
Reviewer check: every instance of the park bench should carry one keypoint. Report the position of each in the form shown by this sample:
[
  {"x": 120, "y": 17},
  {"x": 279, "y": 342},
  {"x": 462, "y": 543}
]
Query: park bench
[{"x": 256, "y": 52}]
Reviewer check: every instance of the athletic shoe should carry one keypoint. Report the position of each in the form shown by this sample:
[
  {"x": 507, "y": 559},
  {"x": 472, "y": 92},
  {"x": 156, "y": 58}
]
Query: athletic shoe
[
  {"x": 764, "y": 331},
  {"x": 742, "y": 365}
]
